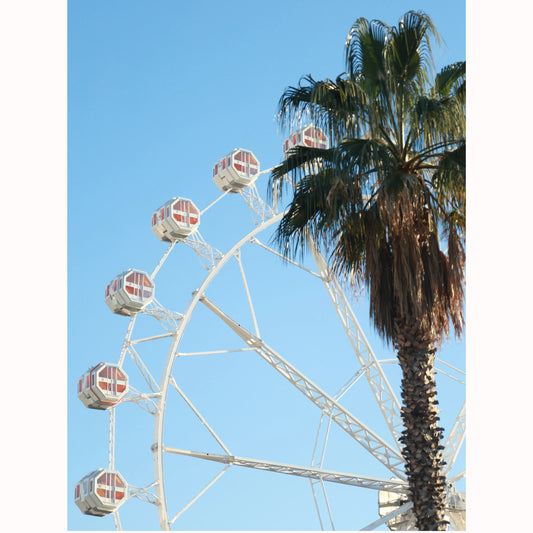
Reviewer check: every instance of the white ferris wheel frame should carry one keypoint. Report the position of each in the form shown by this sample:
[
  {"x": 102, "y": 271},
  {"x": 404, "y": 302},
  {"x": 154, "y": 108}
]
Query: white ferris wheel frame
[{"x": 370, "y": 367}]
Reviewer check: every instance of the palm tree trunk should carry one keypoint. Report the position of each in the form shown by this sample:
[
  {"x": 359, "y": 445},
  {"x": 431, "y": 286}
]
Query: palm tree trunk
[{"x": 421, "y": 437}]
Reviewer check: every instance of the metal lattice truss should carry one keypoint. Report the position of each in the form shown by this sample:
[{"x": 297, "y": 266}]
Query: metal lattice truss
[
  {"x": 143, "y": 493},
  {"x": 301, "y": 471},
  {"x": 147, "y": 402},
  {"x": 209, "y": 256},
  {"x": 259, "y": 209},
  {"x": 168, "y": 319}
]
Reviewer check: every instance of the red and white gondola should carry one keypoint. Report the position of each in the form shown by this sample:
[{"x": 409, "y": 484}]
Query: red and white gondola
[
  {"x": 101, "y": 492},
  {"x": 129, "y": 292},
  {"x": 311, "y": 136},
  {"x": 175, "y": 220},
  {"x": 102, "y": 386},
  {"x": 236, "y": 171}
]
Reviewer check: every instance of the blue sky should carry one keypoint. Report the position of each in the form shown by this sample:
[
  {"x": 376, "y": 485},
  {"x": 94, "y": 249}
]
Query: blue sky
[{"x": 158, "y": 91}]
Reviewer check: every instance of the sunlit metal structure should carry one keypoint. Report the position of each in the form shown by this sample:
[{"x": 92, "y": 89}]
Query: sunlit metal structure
[{"x": 237, "y": 173}]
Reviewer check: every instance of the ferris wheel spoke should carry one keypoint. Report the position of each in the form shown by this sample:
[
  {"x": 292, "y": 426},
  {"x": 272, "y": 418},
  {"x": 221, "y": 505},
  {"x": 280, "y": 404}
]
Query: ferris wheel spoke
[
  {"x": 213, "y": 203},
  {"x": 455, "y": 439},
  {"x": 459, "y": 379},
  {"x": 377, "y": 447},
  {"x": 313, "y": 482},
  {"x": 391, "y": 485},
  {"x": 457, "y": 477},
  {"x": 152, "y": 338},
  {"x": 162, "y": 260},
  {"x": 126, "y": 343},
  {"x": 213, "y": 352},
  {"x": 198, "y": 414},
  {"x": 255, "y": 240},
  {"x": 238, "y": 257},
  {"x": 171, "y": 521},
  {"x": 116, "y": 521}
]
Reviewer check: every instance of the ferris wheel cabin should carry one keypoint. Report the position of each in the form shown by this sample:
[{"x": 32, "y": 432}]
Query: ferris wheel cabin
[
  {"x": 129, "y": 292},
  {"x": 307, "y": 136},
  {"x": 175, "y": 220},
  {"x": 236, "y": 171},
  {"x": 101, "y": 492},
  {"x": 103, "y": 386}
]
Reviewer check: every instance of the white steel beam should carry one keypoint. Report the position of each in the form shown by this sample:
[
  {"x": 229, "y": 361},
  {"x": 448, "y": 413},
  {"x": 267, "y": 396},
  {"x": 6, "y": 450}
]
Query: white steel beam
[
  {"x": 152, "y": 338},
  {"x": 111, "y": 455},
  {"x": 162, "y": 260},
  {"x": 171, "y": 521},
  {"x": 126, "y": 343},
  {"x": 198, "y": 414},
  {"x": 116, "y": 520},
  {"x": 391, "y": 485},
  {"x": 382, "y": 451},
  {"x": 457, "y": 477},
  {"x": 255, "y": 240},
  {"x": 402, "y": 509},
  {"x": 247, "y": 290}
]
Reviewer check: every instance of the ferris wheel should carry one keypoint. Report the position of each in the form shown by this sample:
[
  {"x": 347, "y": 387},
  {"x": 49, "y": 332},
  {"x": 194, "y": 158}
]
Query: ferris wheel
[{"x": 222, "y": 348}]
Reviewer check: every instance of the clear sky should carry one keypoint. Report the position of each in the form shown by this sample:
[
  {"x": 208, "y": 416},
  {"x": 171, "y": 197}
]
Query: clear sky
[{"x": 158, "y": 91}]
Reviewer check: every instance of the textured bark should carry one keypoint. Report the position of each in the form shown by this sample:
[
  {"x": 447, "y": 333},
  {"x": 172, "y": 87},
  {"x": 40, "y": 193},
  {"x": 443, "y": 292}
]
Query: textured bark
[{"x": 421, "y": 437}]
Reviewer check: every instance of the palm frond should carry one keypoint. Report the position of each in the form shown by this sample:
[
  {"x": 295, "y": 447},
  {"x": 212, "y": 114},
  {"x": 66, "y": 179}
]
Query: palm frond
[
  {"x": 310, "y": 211},
  {"x": 433, "y": 120},
  {"x": 450, "y": 77},
  {"x": 409, "y": 48},
  {"x": 364, "y": 49},
  {"x": 449, "y": 183}
]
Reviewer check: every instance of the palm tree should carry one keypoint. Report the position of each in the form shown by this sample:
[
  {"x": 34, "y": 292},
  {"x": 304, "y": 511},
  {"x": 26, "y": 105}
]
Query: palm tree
[{"x": 387, "y": 201}]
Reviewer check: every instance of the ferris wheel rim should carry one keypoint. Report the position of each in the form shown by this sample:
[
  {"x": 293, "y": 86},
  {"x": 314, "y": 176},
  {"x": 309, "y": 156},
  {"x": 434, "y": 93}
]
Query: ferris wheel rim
[{"x": 157, "y": 447}]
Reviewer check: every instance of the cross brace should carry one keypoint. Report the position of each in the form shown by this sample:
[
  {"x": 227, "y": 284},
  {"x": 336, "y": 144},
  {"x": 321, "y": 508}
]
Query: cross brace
[{"x": 393, "y": 485}]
